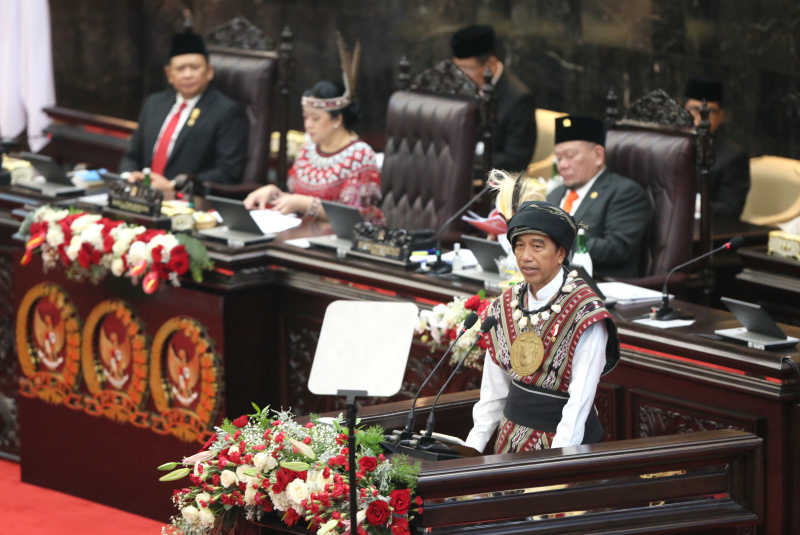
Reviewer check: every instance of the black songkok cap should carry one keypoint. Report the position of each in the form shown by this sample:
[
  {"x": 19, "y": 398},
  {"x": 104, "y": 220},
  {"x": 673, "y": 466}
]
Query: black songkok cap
[
  {"x": 472, "y": 41},
  {"x": 575, "y": 128},
  {"x": 704, "y": 89},
  {"x": 187, "y": 43},
  {"x": 542, "y": 217}
]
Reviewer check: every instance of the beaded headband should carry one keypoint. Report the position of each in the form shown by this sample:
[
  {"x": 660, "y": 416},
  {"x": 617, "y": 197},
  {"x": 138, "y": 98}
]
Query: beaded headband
[{"x": 349, "y": 73}]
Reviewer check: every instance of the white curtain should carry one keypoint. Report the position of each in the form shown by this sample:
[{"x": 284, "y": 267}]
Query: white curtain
[{"x": 26, "y": 69}]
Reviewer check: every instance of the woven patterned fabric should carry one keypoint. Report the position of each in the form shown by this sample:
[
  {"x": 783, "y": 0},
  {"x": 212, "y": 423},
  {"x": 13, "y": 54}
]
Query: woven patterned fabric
[{"x": 349, "y": 176}]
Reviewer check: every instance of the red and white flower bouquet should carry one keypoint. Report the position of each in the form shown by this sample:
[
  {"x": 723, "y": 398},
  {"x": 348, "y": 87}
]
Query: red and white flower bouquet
[
  {"x": 89, "y": 246},
  {"x": 259, "y": 464},
  {"x": 440, "y": 326}
]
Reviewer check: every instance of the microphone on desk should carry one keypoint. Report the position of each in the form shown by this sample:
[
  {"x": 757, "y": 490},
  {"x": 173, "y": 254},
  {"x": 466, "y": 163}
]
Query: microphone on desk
[
  {"x": 487, "y": 325},
  {"x": 666, "y": 312},
  {"x": 408, "y": 431},
  {"x": 441, "y": 267}
]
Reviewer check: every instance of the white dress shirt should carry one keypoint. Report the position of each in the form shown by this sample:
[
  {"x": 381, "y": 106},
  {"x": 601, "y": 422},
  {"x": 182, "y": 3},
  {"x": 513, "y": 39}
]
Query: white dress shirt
[
  {"x": 582, "y": 192},
  {"x": 190, "y": 104},
  {"x": 587, "y": 365}
]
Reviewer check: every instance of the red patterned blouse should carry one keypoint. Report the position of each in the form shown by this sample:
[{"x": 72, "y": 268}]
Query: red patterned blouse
[{"x": 350, "y": 176}]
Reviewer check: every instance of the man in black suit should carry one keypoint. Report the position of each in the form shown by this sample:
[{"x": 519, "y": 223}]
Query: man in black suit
[
  {"x": 730, "y": 174},
  {"x": 190, "y": 129},
  {"x": 514, "y": 137},
  {"x": 614, "y": 208}
]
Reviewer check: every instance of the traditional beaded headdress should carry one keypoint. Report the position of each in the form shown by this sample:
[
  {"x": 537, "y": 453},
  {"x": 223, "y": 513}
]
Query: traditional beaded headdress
[{"x": 349, "y": 73}]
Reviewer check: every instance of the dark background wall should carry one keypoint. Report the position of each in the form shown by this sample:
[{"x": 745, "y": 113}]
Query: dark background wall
[{"x": 109, "y": 55}]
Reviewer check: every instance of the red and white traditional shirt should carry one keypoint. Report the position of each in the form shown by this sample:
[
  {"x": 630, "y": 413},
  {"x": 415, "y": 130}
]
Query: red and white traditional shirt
[{"x": 350, "y": 176}]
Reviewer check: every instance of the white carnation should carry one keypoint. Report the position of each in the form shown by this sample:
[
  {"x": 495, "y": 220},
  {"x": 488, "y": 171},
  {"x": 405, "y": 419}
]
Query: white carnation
[
  {"x": 94, "y": 236},
  {"x": 279, "y": 500},
  {"x": 296, "y": 491},
  {"x": 117, "y": 267},
  {"x": 191, "y": 514},
  {"x": 228, "y": 478},
  {"x": 206, "y": 518},
  {"x": 250, "y": 495},
  {"x": 82, "y": 223},
  {"x": 55, "y": 236},
  {"x": 137, "y": 253},
  {"x": 240, "y": 471},
  {"x": 74, "y": 248},
  {"x": 203, "y": 497}
]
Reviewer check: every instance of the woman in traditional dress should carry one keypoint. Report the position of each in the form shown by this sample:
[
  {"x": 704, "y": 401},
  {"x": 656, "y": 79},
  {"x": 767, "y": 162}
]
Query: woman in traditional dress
[
  {"x": 333, "y": 165},
  {"x": 553, "y": 341}
]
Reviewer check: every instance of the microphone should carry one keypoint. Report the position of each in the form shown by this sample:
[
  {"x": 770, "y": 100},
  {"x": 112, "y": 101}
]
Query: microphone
[
  {"x": 441, "y": 267},
  {"x": 409, "y": 429},
  {"x": 487, "y": 325},
  {"x": 666, "y": 312}
]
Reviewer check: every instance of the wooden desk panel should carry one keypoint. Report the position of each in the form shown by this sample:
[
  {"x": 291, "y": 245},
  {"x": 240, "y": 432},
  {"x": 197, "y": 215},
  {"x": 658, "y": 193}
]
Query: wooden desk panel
[{"x": 668, "y": 381}]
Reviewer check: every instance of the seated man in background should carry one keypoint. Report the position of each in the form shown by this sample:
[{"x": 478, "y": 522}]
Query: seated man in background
[
  {"x": 190, "y": 129},
  {"x": 614, "y": 208},
  {"x": 514, "y": 137},
  {"x": 730, "y": 174}
]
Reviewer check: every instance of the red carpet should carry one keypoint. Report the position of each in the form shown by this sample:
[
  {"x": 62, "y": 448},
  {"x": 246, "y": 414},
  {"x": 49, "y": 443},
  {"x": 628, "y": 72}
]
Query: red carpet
[{"x": 31, "y": 510}]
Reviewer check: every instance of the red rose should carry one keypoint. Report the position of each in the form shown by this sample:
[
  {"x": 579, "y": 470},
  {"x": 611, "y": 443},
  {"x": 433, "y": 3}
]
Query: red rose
[
  {"x": 85, "y": 256},
  {"x": 108, "y": 243},
  {"x": 400, "y": 527},
  {"x": 368, "y": 464},
  {"x": 378, "y": 513},
  {"x": 473, "y": 302},
  {"x": 241, "y": 421},
  {"x": 179, "y": 260},
  {"x": 282, "y": 478},
  {"x": 400, "y": 500},
  {"x": 156, "y": 253},
  {"x": 291, "y": 517}
]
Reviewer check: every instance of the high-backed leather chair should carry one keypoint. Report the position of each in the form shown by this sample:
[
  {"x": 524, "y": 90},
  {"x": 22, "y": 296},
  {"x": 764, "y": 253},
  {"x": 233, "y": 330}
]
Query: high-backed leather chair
[
  {"x": 431, "y": 132},
  {"x": 656, "y": 145},
  {"x": 258, "y": 80},
  {"x": 774, "y": 196}
]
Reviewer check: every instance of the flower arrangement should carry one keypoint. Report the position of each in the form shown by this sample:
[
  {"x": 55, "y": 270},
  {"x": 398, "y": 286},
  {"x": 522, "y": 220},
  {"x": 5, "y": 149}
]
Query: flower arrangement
[
  {"x": 90, "y": 246},
  {"x": 260, "y": 463},
  {"x": 441, "y": 325}
]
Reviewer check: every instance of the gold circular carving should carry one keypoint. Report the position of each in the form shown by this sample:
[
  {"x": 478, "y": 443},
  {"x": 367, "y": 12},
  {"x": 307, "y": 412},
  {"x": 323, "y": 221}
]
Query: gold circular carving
[
  {"x": 48, "y": 346},
  {"x": 102, "y": 350},
  {"x": 185, "y": 382},
  {"x": 527, "y": 353}
]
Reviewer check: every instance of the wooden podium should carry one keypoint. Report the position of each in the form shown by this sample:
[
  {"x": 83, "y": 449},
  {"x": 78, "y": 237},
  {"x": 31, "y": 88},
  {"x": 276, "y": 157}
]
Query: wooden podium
[{"x": 709, "y": 482}]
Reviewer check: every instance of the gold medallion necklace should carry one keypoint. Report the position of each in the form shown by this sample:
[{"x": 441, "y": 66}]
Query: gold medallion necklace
[{"x": 527, "y": 351}]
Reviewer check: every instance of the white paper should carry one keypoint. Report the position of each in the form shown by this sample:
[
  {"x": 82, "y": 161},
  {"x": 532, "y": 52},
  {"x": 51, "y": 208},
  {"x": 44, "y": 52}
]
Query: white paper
[
  {"x": 100, "y": 199},
  {"x": 272, "y": 222},
  {"x": 299, "y": 242},
  {"x": 628, "y": 293},
  {"x": 468, "y": 259},
  {"x": 669, "y": 324}
]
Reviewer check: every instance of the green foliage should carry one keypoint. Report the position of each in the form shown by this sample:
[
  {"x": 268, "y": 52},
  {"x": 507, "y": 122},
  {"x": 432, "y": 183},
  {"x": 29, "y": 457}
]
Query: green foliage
[{"x": 200, "y": 260}]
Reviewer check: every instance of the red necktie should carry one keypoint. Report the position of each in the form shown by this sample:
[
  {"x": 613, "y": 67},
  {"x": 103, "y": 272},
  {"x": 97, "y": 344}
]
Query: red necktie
[
  {"x": 159, "y": 162},
  {"x": 572, "y": 196}
]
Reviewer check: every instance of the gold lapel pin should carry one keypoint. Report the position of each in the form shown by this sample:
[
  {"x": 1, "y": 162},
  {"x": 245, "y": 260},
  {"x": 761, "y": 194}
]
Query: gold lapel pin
[
  {"x": 593, "y": 195},
  {"x": 193, "y": 117}
]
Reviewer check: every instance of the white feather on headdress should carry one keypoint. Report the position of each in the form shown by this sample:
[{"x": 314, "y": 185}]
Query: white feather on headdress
[{"x": 513, "y": 191}]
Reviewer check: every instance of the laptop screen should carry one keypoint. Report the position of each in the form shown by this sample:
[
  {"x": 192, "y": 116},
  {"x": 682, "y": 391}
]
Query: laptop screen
[
  {"x": 485, "y": 251},
  {"x": 342, "y": 218},
  {"x": 754, "y": 318}
]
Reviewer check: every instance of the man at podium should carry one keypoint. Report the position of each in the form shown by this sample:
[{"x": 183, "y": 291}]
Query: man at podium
[{"x": 553, "y": 341}]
